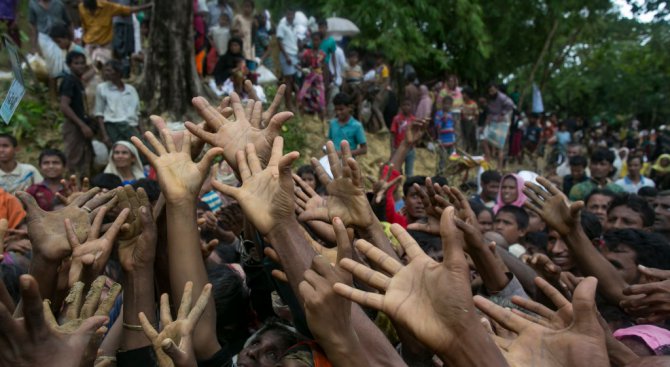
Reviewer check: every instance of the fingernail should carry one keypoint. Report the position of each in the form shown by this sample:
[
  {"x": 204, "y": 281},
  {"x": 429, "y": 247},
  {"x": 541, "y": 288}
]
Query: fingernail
[
  {"x": 642, "y": 267},
  {"x": 25, "y": 283}
]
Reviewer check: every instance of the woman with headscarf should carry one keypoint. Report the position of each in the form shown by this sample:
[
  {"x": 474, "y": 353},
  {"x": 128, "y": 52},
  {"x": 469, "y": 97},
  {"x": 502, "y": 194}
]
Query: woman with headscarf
[
  {"x": 125, "y": 162},
  {"x": 660, "y": 172},
  {"x": 425, "y": 105},
  {"x": 510, "y": 192},
  {"x": 227, "y": 63}
]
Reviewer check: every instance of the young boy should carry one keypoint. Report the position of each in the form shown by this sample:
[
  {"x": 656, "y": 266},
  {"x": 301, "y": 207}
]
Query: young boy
[
  {"x": 577, "y": 173},
  {"x": 401, "y": 122},
  {"x": 346, "y": 127},
  {"x": 444, "y": 124},
  {"x": 14, "y": 176},
  {"x": 469, "y": 120},
  {"x": 512, "y": 223},
  {"x": 219, "y": 35},
  {"x": 77, "y": 133},
  {"x": 52, "y": 166}
]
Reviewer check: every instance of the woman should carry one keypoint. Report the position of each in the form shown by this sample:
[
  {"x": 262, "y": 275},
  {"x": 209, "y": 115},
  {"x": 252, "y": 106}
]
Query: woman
[
  {"x": 125, "y": 162},
  {"x": 262, "y": 41},
  {"x": 229, "y": 61},
  {"x": 484, "y": 216},
  {"x": 96, "y": 20},
  {"x": 243, "y": 27},
  {"x": 660, "y": 172},
  {"x": 312, "y": 95},
  {"x": 510, "y": 192}
]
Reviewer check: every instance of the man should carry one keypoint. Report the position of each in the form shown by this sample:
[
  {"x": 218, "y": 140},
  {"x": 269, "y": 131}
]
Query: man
[
  {"x": 288, "y": 54},
  {"x": 52, "y": 166},
  {"x": 629, "y": 211},
  {"x": 42, "y": 15},
  {"x": 662, "y": 212},
  {"x": 634, "y": 181},
  {"x": 489, "y": 184},
  {"x": 499, "y": 111},
  {"x": 598, "y": 202},
  {"x": 577, "y": 173},
  {"x": 14, "y": 176},
  {"x": 346, "y": 127},
  {"x": 77, "y": 133},
  {"x": 573, "y": 150},
  {"x": 117, "y": 105},
  {"x": 601, "y": 165}
]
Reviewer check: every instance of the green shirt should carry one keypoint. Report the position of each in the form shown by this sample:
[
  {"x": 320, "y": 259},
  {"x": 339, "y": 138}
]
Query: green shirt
[{"x": 581, "y": 190}]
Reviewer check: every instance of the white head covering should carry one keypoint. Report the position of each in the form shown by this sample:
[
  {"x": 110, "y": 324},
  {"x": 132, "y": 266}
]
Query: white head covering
[{"x": 137, "y": 170}]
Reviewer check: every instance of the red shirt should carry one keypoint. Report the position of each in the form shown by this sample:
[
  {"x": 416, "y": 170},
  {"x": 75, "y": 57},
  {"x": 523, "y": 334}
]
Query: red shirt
[
  {"x": 391, "y": 215},
  {"x": 43, "y": 195},
  {"x": 399, "y": 128}
]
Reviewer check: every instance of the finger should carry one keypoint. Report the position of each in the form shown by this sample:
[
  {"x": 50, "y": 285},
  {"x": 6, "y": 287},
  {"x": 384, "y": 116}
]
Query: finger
[
  {"x": 411, "y": 247},
  {"x": 307, "y": 291},
  {"x": 233, "y": 192},
  {"x": 32, "y": 208},
  {"x": 186, "y": 143},
  {"x": 248, "y": 109},
  {"x": 151, "y": 157},
  {"x": 367, "y": 299},
  {"x": 504, "y": 317},
  {"x": 373, "y": 278},
  {"x": 321, "y": 213},
  {"x": 549, "y": 186},
  {"x": 452, "y": 239},
  {"x": 344, "y": 248},
  {"x": 107, "y": 304},
  {"x": 277, "y": 151},
  {"x": 552, "y": 293},
  {"x": 200, "y": 304},
  {"x": 213, "y": 118},
  {"x": 71, "y": 235},
  {"x": 654, "y": 273},
  {"x": 172, "y": 350},
  {"x": 584, "y": 306},
  {"x": 395, "y": 181},
  {"x": 95, "y": 201},
  {"x": 206, "y": 161},
  {"x": 250, "y": 90},
  {"x": 155, "y": 143},
  {"x": 113, "y": 231},
  {"x": 285, "y": 164},
  {"x": 93, "y": 297},
  {"x": 74, "y": 301},
  {"x": 378, "y": 257},
  {"x": 33, "y": 310},
  {"x": 334, "y": 160},
  {"x": 85, "y": 197},
  {"x": 90, "y": 325},
  {"x": 532, "y": 306},
  {"x": 185, "y": 306},
  {"x": 165, "y": 315},
  {"x": 243, "y": 165},
  {"x": 254, "y": 163},
  {"x": 201, "y": 133},
  {"x": 536, "y": 199},
  {"x": 238, "y": 109},
  {"x": 275, "y": 125},
  {"x": 300, "y": 195},
  {"x": 85, "y": 184},
  {"x": 279, "y": 275},
  {"x": 354, "y": 172},
  {"x": 49, "y": 317},
  {"x": 94, "y": 231},
  {"x": 148, "y": 329},
  {"x": 646, "y": 289},
  {"x": 304, "y": 187},
  {"x": 276, "y": 101},
  {"x": 321, "y": 173},
  {"x": 256, "y": 115}
]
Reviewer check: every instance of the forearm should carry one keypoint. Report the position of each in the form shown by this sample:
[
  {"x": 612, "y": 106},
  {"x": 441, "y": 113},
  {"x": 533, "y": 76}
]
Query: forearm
[
  {"x": 359, "y": 151},
  {"x": 46, "y": 274},
  {"x": 375, "y": 344},
  {"x": 376, "y": 236},
  {"x": 524, "y": 273},
  {"x": 592, "y": 263},
  {"x": 138, "y": 296},
  {"x": 69, "y": 113},
  {"x": 398, "y": 157},
  {"x": 473, "y": 347},
  {"x": 490, "y": 268},
  {"x": 186, "y": 264},
  {"x": 344, "y": 351}
]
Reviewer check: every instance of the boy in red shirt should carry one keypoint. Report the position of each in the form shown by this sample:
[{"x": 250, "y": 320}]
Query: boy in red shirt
[{"x": 401, "y": 122}]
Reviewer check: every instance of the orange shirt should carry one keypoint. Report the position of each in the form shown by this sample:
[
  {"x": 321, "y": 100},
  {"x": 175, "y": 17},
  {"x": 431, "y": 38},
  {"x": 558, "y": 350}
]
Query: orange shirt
[
  {"x": 98, "y": 29},
  {"x": 11, "y": 209}
]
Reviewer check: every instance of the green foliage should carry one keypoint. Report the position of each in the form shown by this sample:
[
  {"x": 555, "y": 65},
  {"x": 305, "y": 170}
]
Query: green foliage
[{"x": 292, "y": 132}]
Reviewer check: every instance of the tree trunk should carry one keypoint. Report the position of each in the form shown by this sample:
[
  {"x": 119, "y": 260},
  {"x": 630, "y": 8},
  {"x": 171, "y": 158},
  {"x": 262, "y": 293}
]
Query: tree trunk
[{"x": 170, "y": 78}]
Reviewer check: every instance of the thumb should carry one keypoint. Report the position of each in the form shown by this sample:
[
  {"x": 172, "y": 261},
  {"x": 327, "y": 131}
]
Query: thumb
[
  {"x": 172, "y": 350},
  {"x": 91, "y": 325},
  {"x": 33, "y": 210},
  {"x": 206, "y": 161},
  {"x": 226, "y": 189},
  {"x": 584, "y": 305},
  {"x": 315, "y": 214},
  {"x": 575, "y": 208},
  {"x": 654, "y": 273}
]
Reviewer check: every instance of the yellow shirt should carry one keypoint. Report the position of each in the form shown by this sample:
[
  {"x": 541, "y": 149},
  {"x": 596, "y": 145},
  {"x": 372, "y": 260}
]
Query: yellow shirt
[{"x": 97, "y": 26}]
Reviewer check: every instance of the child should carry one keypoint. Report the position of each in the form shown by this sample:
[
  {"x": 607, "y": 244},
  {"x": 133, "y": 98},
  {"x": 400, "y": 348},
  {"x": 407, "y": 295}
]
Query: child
[
  {"x": 353, "y": 73},
  {"x": 52, "y": 166},
  {"x": 346, "y": 127},
  {"x": 512, "y": 223},
  {"x": 219, "y": 35},
  {"x": 401, "y": 122},
  {"x": 14, "y": 176},
  {"x": 444, "y": 123},
  {"x": 469, "y": 120}
]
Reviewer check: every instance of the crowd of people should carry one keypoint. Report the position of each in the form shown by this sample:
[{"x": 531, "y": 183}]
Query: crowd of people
[{"x": 209, "y": 246}]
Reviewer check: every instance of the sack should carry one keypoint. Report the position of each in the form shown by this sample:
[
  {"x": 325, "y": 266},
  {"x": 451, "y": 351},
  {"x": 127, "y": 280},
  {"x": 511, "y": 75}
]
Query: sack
[
  {"x": 100, "y": 153},
  {"x": 496, "y": 132}
]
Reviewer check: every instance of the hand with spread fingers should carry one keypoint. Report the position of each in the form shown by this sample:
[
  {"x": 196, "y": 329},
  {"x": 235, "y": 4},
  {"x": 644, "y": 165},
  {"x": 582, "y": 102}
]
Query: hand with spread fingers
[
  {"x": 652, "y": 300},
  {"x": 419, "y": 288},
  {"x": 72, "y": 189},
  {"x": 552, "y": 206},
  {"x": 347, "y": 199},
  {"x": 543, "y": 265},
  {"x": 137, "y": 246},
  {"x": 180, "y": 178},
  {"x": 174, "y": 343},
  {"x": 307, "y": 199},
  {"x": 47, "y": 233},
  {"x": 580, "y": 343},
  {"x": 267, "y": 115},
  {"x": 328, "y": 314},
  {"x": 36, "y": 339},
  {"x": 266, "y": 195},
  {"x": 382, "y": 185},
  {"x": 233, "y": 136}
]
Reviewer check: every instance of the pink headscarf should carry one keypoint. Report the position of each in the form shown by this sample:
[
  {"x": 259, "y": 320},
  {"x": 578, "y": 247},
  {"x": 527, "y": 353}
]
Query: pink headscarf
[
  {"x": 520, "y": 196},
  {"x": 425, "y": 105},
  {"x": 654, "y": 336}
]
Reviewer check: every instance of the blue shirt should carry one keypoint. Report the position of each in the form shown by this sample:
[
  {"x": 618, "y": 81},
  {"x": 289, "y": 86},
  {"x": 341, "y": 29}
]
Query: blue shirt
[
  {"x": 444, "y": 123},
  {"x": 352, "y": 132}
]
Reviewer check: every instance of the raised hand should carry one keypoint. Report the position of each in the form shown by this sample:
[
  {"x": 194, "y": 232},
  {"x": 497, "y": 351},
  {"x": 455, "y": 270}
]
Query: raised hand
[
  {"x": 174, "y": 344},
  {"x": 654, "y": 304},
  {"x": 581, "y": 343},
  {"x": 347, "y": 199},
  {"x": 90, "y": 257},
  {"x": 543, "y": 265},
  {"x": 552, "y": 206},
  {"x": 137, "y": 244},
  {"x": 416, "y": 130},
  {"x": 233, "y": 136},
  {"x": 419, "y": 288},
  {"x": 36, "y": 341},
  {"x": 381, "y": 186},
  {"x": 266, "y": 195},
  {"x": 559, "y": 319},
  {"x": 179, "y": 177},
  {"x": 266, "y": 116},
  {"x": 46, "y": 231},
  {"x": 72, "y": 189}
]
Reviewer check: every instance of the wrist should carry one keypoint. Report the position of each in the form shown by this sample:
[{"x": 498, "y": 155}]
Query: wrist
[
  {"x": 283, "y": 230},
  {"x": 473, "y": 347}
]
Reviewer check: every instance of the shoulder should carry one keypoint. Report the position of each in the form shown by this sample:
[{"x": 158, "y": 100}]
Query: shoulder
[
  {"x": 614, "y": 187},
  {"x": 355, "y": 123}
]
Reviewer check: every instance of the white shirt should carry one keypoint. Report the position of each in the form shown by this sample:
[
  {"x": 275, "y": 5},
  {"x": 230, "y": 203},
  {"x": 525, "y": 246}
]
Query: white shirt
[
  {"x": 289, "y": 38},
  {"x": 220, "y": 36},
  {"x": 115, "y": 105},
  {"x": 341, "y": 62},
  {"x": 23, "y": 176},
  {"x": 630, "y": 187}
]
